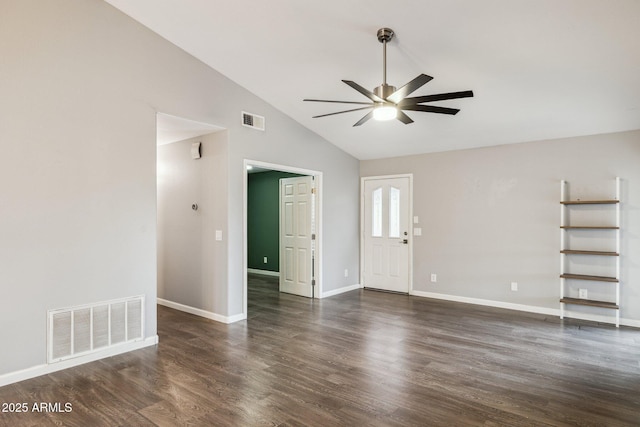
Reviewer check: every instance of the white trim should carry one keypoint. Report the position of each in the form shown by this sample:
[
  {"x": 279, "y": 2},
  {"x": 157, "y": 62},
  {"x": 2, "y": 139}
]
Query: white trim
[
  {"x": 410, "y": 226},
  {"x": 235, "y": 318},
  {"x": 199, "y": 312},
  {"x": 528, "y": 308},
  {"x": 489, "y": 303},
  {"x": 600, "y": 318},
  {"x": 318, "y": 175},
  {"x": 263, "y": 272},
  {"x": 36, "y": 371},
  {"x": 341, "y": 290}
]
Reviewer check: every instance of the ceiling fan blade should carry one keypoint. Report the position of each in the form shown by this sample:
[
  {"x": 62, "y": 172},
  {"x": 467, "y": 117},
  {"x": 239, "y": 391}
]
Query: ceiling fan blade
[
  {"x": 410, "y": 87},
  {"x": 436, "y": 97},
  {"x": 431, "y": 109},
  {"x": 372, "y": 96},
  {"x": 404, "y": 118},
  {"x": 338, "y": 102},
  {"x": 340, "y": 112},
  {"x": 364, "y": 119}
]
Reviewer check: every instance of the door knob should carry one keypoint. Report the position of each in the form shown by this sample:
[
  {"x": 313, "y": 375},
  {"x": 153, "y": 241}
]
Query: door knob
[{"x": 405, "y": 242}]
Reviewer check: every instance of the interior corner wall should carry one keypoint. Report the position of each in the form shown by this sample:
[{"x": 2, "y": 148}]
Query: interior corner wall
[
  {"x": 191, "y": 262},
  {"x": 81, "y": 85},
  {"x": 490, "y": 216},
  {"x": 263, "y": 219}
]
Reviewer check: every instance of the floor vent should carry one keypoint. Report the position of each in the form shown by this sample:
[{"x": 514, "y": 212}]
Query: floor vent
[
  {"x": 252, "y": 121},
  {"x": 85, "y": 329}
]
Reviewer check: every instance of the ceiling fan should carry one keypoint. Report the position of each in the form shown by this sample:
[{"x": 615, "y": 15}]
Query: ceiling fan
[{"x": 387, "y": 103}]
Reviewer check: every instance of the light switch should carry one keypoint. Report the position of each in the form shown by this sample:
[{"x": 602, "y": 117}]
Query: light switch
[
  {"x": 415, "y": 220},
  {"x": 218, "y": 234}
]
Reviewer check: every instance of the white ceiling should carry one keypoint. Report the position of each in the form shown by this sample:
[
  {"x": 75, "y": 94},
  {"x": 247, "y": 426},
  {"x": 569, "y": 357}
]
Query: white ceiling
[
  {"x": 172, "y": 129},
  {"x": 539, "y": 69}
]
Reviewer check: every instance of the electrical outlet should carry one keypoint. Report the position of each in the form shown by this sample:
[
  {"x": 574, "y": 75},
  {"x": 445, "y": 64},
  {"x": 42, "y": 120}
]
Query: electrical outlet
[
  {"x": 514, "y": 286},
  {"x": 346, "y": 272},
  {"x": 264, "y": 260},
  {"x": 582, "y": 293},
  {"x": 434, "y": 278}
]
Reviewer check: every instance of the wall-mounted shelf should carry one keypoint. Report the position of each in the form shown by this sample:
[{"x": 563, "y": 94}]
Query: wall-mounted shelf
[
  {"x": 592, "y": 303},
  {"x": 566, "y": 228},
  {"x": 575, "y": 252},
  {"x": 589, "y": 202},
  {"x": 588, "y": 277},
  {"x": 589, "y": 227}
]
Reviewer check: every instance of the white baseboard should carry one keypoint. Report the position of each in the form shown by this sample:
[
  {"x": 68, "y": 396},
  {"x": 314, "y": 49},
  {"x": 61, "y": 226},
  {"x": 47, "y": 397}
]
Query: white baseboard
[
  {"x": 36, "y": 371},
  {"x": 599, "y": 318},
  {"x": 527, "y": 308},
  {"x": 236, "y": 318},
  {"x": 202, "y": 313},
  {"x": 263, "y": 272},
  {"x": 340, "y": 290},
  {"x": 489, "y": 303}
]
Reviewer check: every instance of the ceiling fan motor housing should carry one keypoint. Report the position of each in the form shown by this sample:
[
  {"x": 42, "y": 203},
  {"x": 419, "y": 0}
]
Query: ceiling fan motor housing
[{"x": 384, "y": 90}]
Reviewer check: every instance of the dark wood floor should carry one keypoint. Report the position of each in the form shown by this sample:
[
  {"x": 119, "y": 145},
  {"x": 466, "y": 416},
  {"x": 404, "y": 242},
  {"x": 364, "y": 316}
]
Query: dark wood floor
[{"x": 360, "y": 358}]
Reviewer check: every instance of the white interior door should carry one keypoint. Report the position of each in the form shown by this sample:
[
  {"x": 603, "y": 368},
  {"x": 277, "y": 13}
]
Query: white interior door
[
  {"x": 296, "y": 230},
  {"x": 386, "y": 233}
]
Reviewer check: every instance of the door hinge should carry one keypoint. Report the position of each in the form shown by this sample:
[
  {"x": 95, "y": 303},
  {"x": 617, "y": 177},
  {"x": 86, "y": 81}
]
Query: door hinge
[
  {"x": 313, "y": 236},
  {"x": 313, "y": 190},
  {"x": 313, "y": 282}
]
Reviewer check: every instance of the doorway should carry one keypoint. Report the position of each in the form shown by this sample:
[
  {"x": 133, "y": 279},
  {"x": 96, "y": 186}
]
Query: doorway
[
  {"x": 386, "y": 245},
  {"x": 302, "y": 257},
  {"x": 190, "y": 180}
]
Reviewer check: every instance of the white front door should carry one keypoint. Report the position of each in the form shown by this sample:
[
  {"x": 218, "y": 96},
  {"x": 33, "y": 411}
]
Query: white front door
[
  {"x": 296, "y": 229},
  {"x": 386, "y": 233}
]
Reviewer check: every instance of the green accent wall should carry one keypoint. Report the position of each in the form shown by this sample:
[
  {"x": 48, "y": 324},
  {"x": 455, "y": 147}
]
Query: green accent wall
[{"x": 263, "y": 228}]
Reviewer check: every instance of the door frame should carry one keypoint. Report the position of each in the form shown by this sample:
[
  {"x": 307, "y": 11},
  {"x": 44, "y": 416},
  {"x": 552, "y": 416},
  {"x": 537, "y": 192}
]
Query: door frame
[
  {"x": 363, "y": 179},
  {"x": 317, "y": 263}
]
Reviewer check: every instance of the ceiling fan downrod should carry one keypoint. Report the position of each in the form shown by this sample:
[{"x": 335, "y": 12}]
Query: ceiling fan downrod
[{"x": 385, "y": 35}]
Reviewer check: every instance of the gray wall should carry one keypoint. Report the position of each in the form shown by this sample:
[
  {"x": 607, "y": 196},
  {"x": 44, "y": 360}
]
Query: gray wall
[
  {"x": 190, "y": 260},
  {"x": 77, "y": 166},
  {"x": 263, "y": 219},
  {"x": 81, "y": 84},
  {"x": 490, "y": 216}
]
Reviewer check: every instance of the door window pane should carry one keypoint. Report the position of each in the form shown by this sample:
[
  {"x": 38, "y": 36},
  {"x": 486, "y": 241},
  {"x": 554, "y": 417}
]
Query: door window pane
[
  {"x": 394, "y": 212},
  {"x": 376, "y": 214}
]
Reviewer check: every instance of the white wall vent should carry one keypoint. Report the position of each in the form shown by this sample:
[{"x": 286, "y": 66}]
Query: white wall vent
[
  {"x": 252, "y": 121},
  {"x": 80, "y": 330}
]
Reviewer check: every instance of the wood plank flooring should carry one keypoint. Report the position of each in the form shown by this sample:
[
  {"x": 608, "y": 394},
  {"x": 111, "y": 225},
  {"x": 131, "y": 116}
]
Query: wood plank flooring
[{"x": 363, "y": 358}]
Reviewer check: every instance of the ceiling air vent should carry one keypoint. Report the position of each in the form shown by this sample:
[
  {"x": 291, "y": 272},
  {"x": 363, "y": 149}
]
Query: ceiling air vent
[{"x": 252, "y": 121}]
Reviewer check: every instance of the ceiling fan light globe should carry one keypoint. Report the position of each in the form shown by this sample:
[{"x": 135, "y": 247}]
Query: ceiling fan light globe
[{"x": 384, "y": 113}]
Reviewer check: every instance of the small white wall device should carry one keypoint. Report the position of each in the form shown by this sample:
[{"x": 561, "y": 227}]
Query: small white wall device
[{"x": 196, "y": 150}]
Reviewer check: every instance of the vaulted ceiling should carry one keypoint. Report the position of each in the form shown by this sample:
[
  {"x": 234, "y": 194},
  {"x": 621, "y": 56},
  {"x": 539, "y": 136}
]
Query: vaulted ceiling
[{"x": 539, "y": 69}]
